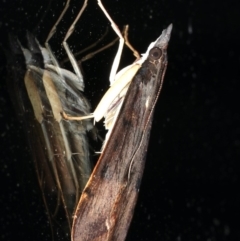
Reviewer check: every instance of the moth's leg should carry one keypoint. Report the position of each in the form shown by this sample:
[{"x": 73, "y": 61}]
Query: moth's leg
[
  {"x": 125, "y": 34},
  {"x": 67, "y": 117},
  {"x": 50, "y": 35},
  {"x": 121, "y": 43},
  {"x": 92, "y": 54},
  {"x": 54, "y": 28},
  {"x": 88, "y": 56},
  {"x": 65, "y": 45}
]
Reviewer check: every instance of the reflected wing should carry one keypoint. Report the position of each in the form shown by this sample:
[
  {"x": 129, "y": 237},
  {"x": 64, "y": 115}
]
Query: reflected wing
[{"x": 59, "y": 148}]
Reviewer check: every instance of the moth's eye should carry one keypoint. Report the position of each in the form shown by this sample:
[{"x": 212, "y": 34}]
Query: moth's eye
[{"x": 155, "y": 53}]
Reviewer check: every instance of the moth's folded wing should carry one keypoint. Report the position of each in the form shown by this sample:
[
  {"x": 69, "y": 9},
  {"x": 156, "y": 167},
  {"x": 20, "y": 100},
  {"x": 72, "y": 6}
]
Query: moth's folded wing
[{"x": 59, "y": 147}]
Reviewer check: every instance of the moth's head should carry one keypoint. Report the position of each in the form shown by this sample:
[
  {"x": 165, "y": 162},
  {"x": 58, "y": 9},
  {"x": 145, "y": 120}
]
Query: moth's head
[{"x": 162, "y": 41}]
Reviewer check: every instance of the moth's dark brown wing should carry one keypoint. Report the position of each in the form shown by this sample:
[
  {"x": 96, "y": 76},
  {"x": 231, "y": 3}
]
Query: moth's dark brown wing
[
  {"x": 59, "y": 148},
  {"x": 107, "y": 204}
]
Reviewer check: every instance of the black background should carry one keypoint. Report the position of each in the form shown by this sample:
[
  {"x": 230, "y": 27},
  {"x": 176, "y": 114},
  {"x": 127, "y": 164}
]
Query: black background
[{"x": 189, "y": 188}]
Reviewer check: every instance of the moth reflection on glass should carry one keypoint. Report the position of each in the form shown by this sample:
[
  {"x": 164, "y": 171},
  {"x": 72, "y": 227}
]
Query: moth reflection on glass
[{"x": 42, "y": 91}]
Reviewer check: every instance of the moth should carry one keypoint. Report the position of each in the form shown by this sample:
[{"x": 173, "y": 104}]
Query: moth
[
  {"x": 107, "y": 203},
  {"x": 60, "y": 147}
]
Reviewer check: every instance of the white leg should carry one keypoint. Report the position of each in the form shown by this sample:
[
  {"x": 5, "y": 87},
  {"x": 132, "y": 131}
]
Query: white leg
[{"x": 121, "y": 43}]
